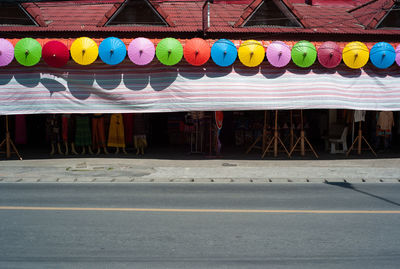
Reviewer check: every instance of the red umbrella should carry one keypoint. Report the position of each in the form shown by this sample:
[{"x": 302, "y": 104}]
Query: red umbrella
[
  {"x": 197, "y": 51},
  {"x": 55, "y": 54},
  {"x": 329, "y": 54}
]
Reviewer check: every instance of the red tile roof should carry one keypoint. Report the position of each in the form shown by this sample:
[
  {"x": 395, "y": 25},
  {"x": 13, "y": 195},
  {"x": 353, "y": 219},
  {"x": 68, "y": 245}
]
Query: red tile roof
[{"x": 185, "y": 16}]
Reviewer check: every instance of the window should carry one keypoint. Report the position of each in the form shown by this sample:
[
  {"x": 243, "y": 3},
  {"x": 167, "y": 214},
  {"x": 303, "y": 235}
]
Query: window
[
  {"x": 392, "y": 18},
  {"x": 272, "y": 13},
  {"x": 14, "y": 14},
  {"x": 137, "y": 12}
]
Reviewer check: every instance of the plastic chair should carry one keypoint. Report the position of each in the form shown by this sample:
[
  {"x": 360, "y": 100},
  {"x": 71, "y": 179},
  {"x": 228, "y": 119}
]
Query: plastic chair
[{"x": 342, "y": 140}]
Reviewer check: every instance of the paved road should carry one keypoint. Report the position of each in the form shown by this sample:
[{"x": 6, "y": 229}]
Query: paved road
[{"x": 199, "y": 225}]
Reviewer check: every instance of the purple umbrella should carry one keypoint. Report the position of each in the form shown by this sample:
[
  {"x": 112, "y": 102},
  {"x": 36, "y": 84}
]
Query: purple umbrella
[
  {"x": 141, "y": 51},
  {"x": 278, "y": 54},
  {"x": 329, "y": 54},
  {"x": 398, "y": 55},
  {"x": 6, "y": 52}
]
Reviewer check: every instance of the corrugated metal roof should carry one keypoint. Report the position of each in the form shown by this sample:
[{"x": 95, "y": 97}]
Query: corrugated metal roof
[{"x": 323, "y": 17}]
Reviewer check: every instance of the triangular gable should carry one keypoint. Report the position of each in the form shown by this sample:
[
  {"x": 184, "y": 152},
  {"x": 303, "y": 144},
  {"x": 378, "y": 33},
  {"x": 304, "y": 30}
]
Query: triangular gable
[
  {"x": 137, "y": 13},
  {"x": 391, "y": 19},
  {"x": 12, "y": 14},
  {"x": 271, "y": 13},
  {"x": 371, "y": 13}
]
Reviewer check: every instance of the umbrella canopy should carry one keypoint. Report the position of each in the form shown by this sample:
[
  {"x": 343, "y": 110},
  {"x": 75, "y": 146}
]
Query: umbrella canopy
[
  {"x": 6, "y": 52},
  {"x": 112, "y": 50},
  {"x": 304, "y": 53},
  {"x": 329, "y": 54},
  {"x": 169, "y": 51},
  {"x": 251, "y": 53},
  {"x": 141, "y": 51},
  {"x": 382, "y": 55},
  {"x": 84, "y": 51},
  {"x": 355, "y": 55},
  {"x": 55, "y": 54},
  {"x": 197, "y": 51},
  {"x": 278, "y": 54},
  {"x": 28, "y": 51},
  {"x": 223, "y": 52},
  {"x": 398, "y": 55}
]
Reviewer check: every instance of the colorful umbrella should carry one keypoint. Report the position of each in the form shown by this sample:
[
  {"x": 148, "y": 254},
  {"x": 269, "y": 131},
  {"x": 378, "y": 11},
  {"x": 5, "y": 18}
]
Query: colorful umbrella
[
  {"x": 304, "y": 53},
  {"x": 355, "y": 55},
  {"x": 6, "y": 52},
  {"x": 55, "y": 54},
  {"x": 141, "y": 51},
  {"x": 382, "y": 55},
  {"x": 169, "y": 51},
  {"x": 278, "y": 54},
  {"x": 84, "y": 51},
  {"x": 28, "y": 51},
  {"x": 112, "y": 50},
  {"x": 398, "y": 55},
  {"x": 197, "y": 51},
  {"x": 251, "y": 53},
  {"x": 329, "y": 54},
  {"x": 223, "y": 52}
]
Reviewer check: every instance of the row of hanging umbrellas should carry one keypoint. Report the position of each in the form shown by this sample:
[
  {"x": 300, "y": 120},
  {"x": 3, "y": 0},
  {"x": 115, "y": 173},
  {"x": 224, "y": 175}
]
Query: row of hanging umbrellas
[{"x": 197, "y": 51}]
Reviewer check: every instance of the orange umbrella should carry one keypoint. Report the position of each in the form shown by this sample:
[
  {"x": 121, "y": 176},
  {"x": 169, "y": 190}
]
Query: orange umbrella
[{"x": 197, "y": 51}]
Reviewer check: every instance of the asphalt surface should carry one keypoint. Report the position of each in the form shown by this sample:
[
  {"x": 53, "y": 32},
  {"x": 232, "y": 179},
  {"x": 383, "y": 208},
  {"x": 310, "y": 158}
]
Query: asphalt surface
[{"x": 85, "y": 225}]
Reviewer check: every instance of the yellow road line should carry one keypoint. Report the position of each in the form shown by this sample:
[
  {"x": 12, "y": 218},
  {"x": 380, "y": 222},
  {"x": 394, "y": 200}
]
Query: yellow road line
[{"x": 193, "y": 210}]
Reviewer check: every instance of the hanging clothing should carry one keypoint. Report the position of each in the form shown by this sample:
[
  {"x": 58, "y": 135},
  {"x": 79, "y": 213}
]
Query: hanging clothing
[
  {"x": 359, "y": 115},
  {"x": 385, "y": 122},
  {"x": 83, "y": 136},
  {"x": 20, "y": 130},
  {"x": 98, "y": 135},
  {"x": 53, "y": 128},
  {"x": 128, "y": 128},
  {"x": 68, "y": 128},
  {"x": 116, "y": 136}
]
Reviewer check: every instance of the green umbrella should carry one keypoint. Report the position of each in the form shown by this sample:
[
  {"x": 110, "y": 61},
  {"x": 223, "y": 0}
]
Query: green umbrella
[
  {"x": 304, "y": 53},
  {"x": 28, "y": 51},
  {"x": 169, "y": 51}
]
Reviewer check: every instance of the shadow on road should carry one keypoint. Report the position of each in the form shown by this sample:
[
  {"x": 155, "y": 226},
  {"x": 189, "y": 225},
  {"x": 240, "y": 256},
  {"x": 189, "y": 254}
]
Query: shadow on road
[{"x": 351, "y": 187}]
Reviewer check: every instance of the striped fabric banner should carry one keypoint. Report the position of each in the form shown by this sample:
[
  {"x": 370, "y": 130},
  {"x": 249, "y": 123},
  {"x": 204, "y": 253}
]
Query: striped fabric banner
[{"x": 100, "y": 88}]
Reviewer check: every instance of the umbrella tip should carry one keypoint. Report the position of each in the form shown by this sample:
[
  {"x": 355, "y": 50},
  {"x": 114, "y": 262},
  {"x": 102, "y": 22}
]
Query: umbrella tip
[
  {"x": 197, "y": 52},
  {"x": 83, "y": 51},
  {"x": 304, "y": 54},
  {"x": 280, "y": 54},
  {"x": 111, "y": 51},
  {"x": 331, "y": 54},
  {"x": 54, "y": 55},
  {"x": 169, "y": 51},
  {"x": 26, "y": 52}
]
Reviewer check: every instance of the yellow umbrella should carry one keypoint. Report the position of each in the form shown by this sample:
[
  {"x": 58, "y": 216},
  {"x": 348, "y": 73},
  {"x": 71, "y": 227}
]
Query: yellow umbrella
[
  {"x": 355, "y": 55},
  {"x": 84, "y": 51},
  {"x": 251, "y": 53}
]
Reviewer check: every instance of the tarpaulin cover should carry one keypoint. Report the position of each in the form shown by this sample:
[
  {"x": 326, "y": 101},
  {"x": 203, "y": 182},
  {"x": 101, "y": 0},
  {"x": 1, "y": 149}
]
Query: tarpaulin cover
[{"x": 101, "y": 88}]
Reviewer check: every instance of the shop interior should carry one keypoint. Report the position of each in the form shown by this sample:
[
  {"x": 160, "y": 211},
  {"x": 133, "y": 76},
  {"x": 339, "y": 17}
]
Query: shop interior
[{"x": 299, "y": 134}]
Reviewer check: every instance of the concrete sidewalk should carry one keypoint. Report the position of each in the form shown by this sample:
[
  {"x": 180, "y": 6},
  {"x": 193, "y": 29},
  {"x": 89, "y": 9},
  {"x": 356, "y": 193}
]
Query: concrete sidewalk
[{"x": 200, "y": 171}]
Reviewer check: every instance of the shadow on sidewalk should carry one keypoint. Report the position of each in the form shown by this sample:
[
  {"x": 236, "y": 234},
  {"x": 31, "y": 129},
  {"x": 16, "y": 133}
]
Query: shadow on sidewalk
[{"x": 351, "y": 187}]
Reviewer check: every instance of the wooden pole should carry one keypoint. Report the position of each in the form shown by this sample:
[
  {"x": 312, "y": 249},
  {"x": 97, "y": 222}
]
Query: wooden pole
[
  {"x": 9, "y": 143},
  {"x": 359, "y": 138},
  {"x": 291, "y": 130}
]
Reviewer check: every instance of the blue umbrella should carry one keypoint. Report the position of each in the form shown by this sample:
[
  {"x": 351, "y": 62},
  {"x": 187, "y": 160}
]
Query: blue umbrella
[
  {"x": 223, "y": 52},
  {"x": 112, "y": 50},
  {"x": 382, "y": 55}
]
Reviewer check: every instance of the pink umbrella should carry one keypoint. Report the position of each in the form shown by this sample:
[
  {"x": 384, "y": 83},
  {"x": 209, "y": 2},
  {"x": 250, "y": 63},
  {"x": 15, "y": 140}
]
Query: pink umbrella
[
  {"x": 6, "y": 52},
  {"x": 278, "y": 54},
  {"x": 141, "y": 51},
  {"x": 329, "y": 54},
  {"x": 398, "y": 55}
]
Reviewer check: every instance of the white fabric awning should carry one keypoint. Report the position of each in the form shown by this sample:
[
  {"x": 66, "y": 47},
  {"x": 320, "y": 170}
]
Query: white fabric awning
[{"x": 100, "y": 88}]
